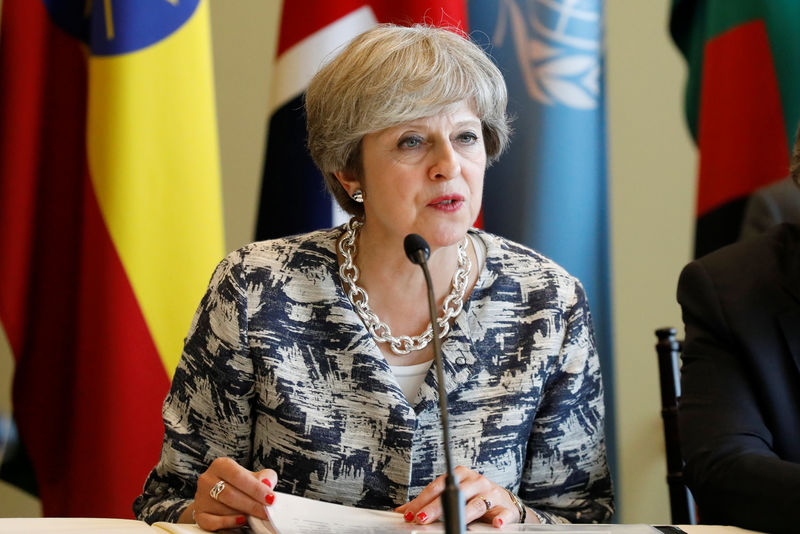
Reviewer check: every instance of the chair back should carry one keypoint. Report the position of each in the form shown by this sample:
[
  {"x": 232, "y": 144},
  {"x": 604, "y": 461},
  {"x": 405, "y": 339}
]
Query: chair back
[{"x": 668, "y": 348}]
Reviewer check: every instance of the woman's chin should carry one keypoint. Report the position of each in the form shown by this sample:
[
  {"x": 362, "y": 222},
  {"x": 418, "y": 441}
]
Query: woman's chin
[{"x": 445, "y": 237}]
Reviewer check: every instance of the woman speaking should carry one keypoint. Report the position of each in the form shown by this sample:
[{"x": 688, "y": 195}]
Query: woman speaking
[{"x": 307, "y": 367}]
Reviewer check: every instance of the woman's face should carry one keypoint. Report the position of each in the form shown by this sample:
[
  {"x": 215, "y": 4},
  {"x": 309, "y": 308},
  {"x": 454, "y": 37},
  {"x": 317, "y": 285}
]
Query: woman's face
[{"x": 424, "y": 176}]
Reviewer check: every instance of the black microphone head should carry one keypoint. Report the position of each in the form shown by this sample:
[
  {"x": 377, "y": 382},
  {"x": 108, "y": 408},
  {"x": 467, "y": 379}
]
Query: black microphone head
[{"x": 414, "y": 244}]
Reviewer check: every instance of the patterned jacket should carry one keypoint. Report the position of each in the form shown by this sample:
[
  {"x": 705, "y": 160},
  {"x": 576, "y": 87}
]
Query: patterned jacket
[{"x": 279, "y": 372}]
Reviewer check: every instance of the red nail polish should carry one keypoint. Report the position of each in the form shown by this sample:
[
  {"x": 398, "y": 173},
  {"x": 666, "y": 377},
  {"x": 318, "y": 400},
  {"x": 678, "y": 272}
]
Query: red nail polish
[
  {"x": 267, "y": 482},
  {"x": 499, "y": 522},
  {"x": 241, "y": 520},
  {"x": 409, "y": 517},
  {"x": 421, "y": 517},
  {"x": 270, "y": 498}
]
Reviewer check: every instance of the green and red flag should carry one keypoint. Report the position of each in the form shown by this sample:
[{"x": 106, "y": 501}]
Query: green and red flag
[
  {"x": 110, "y": 225},
  {"x": 742, "y": 102}
]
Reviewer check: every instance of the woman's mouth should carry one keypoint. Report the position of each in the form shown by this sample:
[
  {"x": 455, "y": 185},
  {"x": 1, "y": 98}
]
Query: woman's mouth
[{"x": 447, "y": 203}]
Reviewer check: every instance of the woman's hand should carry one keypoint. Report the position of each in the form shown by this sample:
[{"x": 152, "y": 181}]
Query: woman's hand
[
  {"x": 483, "y": 499},
  {"x": 227, "y": 492}
]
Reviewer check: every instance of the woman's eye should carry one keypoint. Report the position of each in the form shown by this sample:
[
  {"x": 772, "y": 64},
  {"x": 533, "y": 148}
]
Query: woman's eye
[
  {"x": 410, "y": 142},
  {"x": 467, "y": 138}
]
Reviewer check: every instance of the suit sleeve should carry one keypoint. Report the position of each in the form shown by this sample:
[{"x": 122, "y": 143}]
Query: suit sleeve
[
  {"x": 566, "y": 475},
  {"x": 731, "y": 468},
  {"x": 207, "y": 410}
]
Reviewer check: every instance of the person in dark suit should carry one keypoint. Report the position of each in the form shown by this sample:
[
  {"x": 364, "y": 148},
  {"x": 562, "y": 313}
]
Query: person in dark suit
[
  {"x": 740, "y": 406},
  {"x": 770, "y": 205}
]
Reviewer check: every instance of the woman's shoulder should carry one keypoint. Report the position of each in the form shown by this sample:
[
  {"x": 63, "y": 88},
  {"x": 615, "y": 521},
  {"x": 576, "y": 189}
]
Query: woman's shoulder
[
  {"x": 310, "y": 257},
  {"x": 301, "y": 251},
  {"x": 507, "y": 257}
]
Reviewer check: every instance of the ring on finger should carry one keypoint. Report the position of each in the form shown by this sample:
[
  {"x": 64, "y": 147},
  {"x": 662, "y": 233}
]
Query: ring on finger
[
  {"x": 486, "y": 501},
  {"x": 216, "y": 489}
]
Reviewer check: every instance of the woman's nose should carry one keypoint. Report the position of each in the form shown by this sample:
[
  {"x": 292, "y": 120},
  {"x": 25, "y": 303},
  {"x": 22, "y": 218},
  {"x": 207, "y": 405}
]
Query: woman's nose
[{"x": 446, "y": 164}]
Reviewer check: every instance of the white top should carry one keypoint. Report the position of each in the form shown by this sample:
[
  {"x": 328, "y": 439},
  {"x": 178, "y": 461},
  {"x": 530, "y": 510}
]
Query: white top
[
  {"x": 480, "y": 249},
  {"x": 410, "y": 377}
]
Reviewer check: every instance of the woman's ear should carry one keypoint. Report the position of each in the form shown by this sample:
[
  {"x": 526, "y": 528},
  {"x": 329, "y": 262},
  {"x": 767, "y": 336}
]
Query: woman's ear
[{"x": 349, "y": 182}]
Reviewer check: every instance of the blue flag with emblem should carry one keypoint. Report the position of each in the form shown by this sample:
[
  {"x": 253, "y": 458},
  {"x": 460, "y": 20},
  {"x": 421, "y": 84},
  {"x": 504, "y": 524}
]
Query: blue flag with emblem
[{"x": 549, "y": 191}]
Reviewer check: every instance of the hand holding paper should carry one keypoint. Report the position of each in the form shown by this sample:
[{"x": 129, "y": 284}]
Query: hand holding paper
[{"x": 227, "y": 492}]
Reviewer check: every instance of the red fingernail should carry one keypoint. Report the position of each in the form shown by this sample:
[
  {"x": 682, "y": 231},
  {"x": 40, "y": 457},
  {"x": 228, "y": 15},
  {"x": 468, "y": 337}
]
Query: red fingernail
[
  {"x": 499, "y": 522},
  {"x": 409, "y": 517},
  {"x": 421, "y": 517},
  {"x": 241, "y": 520},
  {"x": 270, "y": 498},
  {"x": 267, "y": 482}
]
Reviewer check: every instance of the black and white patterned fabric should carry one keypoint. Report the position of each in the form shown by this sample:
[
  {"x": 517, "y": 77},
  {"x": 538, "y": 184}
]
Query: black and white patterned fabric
[{"x": 279, "y": 372}]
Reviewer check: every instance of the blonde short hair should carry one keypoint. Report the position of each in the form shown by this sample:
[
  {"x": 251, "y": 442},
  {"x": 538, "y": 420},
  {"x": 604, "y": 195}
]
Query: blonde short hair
[{"x": 393, "y": 74}]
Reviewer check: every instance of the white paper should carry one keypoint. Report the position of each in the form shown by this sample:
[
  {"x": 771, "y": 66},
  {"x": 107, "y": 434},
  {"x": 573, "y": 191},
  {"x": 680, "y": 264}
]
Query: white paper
[{"x": 296, "y": 515}]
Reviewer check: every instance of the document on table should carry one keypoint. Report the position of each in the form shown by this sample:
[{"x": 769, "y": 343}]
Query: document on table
[{"x": 297, "y": 515}]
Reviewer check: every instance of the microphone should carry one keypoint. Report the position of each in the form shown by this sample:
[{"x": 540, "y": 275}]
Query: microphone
[{"x": 418, "y": 251}]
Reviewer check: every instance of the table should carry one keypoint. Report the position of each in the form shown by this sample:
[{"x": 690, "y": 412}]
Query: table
[{"x": 47, "y": 525}]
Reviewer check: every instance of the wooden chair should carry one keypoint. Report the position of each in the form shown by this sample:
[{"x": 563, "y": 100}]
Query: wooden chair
[{"x": 682, "y": 506}]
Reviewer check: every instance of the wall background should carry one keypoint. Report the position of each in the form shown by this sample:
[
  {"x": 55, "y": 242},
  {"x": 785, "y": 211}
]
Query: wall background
[
  {"x": 652, "y": 173},
  {"x": 652, "y": 177}
]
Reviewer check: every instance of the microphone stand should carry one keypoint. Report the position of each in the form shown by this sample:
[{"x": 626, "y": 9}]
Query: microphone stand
[{"x": 417, "y": 251}]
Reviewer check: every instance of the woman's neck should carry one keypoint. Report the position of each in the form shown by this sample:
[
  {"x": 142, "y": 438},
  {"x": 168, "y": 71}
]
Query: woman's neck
[
  {"x": 396, "y": 287},
  {"x": 386, "y": 271}
]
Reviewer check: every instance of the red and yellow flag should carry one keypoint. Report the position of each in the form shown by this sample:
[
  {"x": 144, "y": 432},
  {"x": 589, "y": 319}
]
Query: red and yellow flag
[{"x": 110, "y": 225}]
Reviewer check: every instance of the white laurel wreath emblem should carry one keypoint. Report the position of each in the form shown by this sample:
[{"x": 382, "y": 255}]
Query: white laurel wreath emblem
[{"x": 557, "y": 66}]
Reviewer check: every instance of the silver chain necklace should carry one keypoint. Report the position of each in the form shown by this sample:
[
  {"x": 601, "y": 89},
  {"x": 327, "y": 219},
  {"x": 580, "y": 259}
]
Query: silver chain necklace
[{"x": 379, "y": 330}]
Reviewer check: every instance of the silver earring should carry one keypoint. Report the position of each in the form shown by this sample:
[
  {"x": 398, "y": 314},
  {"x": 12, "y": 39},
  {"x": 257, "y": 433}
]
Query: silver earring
[{"x": 358, "y": 196}]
